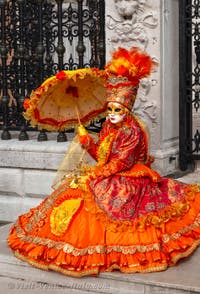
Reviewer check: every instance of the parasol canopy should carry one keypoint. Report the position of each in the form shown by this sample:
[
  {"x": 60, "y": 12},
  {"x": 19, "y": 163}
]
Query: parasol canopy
[{"x": 67, "y": 99}]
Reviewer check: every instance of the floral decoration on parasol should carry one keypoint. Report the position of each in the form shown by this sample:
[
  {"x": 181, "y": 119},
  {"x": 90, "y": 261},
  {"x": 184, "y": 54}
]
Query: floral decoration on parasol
[{"x": 67, "y": 99}]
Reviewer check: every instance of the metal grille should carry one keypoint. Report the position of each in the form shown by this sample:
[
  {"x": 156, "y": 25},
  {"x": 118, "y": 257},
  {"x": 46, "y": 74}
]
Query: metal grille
[
  {"x": 39, "y": 38},
  {"x": 189, "y": 82}
]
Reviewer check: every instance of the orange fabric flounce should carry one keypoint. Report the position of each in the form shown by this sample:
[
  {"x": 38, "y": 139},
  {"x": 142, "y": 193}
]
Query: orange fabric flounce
[{"x": 161, "y": 246}]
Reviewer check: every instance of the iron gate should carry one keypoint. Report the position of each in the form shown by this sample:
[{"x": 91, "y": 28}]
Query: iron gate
[
  {"x": 189, "y": 110},
  {"x": 39, "y": 38}
]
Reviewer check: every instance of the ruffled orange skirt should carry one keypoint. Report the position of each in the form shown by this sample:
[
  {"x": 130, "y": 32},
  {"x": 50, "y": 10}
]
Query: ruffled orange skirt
[{"x": 69, "y": 234}]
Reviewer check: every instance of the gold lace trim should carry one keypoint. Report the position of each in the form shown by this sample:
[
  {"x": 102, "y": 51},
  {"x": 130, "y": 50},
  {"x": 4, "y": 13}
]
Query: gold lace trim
[
  {"x": 167, "y": 237},
  {"x": 100, "y": 249},
  {"x": 93, "y": 271},
  {"x": 186, "y": 253},
  {"x": 73, "y": 272},
  {"x": 48, "y": 203}
]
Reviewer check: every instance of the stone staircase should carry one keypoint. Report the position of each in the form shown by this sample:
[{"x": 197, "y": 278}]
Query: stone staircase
[{"x": 17, "y": 277}]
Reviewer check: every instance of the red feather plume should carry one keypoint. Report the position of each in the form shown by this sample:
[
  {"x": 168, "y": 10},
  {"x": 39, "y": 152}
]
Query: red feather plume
[{"x": 133, "y": 64}]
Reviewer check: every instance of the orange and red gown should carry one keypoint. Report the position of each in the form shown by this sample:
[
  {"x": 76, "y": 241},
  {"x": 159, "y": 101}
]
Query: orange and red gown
[{"x": 125, "y": 217}]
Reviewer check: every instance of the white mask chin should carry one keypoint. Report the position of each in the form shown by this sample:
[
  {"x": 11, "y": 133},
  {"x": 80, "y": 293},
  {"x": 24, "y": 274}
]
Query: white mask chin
[{"x": 116, "y": 118}]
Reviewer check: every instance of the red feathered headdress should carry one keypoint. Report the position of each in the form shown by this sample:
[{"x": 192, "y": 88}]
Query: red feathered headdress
[{"x": 125, "y": 70}]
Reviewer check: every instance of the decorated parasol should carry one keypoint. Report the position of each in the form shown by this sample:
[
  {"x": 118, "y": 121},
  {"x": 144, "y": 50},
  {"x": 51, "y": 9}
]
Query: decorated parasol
[{"x": 69, "y": 98}]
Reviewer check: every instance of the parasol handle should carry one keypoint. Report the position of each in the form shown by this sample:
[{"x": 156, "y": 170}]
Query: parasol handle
[{"x": 77, "y": 113}]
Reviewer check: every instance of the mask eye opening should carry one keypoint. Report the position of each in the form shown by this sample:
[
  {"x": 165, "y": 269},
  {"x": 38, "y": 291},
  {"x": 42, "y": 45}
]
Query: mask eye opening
[
  {"x": 109, "y": 108},
  {"x": 118, "y": 109}
]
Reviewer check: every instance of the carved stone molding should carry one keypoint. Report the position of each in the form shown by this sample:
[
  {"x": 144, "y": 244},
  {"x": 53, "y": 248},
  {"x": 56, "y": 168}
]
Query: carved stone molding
[
  {"x": 146, "y": 110},
  {"x": 131, "y": 26}
]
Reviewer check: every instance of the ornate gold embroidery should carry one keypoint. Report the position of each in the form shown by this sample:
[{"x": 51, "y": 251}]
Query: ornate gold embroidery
[
  {"x": 138, "y": 268},
  {"x": 101, "y": 249},
  {"x": 105, "y": 148},
  {"x": 191, "y": 191},
  {"x": 166, "y": 237},
  {"x": 43, "y": 207},
  {"x": 170, "y": 212},
  {"x": 141, "y": 170},
  {"x": 171, "y": 194},
  {"x": 73, "y": 272},
  {"x": 62, "y": 215},
  {"x": 95, "y": 270},
  {"x": 187, "y": 252}
]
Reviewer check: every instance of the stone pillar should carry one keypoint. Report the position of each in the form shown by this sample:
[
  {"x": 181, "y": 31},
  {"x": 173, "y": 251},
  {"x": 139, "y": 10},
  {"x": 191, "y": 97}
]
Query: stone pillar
[{"x": 153, "y": 26}]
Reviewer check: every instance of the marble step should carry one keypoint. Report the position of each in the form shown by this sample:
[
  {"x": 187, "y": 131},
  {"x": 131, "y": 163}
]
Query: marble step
[{"x": 18, "y": 277}]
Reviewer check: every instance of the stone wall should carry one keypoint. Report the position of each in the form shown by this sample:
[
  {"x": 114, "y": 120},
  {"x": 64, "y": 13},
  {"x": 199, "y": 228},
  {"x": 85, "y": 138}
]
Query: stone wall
[{"x": 27, "y": 171}]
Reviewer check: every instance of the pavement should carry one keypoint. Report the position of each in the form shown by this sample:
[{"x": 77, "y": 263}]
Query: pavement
[{"x": 191, "y": 177}]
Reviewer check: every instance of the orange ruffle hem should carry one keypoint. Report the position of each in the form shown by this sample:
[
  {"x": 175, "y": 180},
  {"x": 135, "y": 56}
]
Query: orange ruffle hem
[{"x": 91, "y": 242}]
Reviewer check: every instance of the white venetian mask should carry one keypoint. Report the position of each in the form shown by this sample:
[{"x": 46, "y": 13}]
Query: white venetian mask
[{"x": 116, "y": 112}]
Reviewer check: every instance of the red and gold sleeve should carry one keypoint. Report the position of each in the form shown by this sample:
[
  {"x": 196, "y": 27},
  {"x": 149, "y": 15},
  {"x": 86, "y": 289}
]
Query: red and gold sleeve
[{"x": 122, "y": 156}]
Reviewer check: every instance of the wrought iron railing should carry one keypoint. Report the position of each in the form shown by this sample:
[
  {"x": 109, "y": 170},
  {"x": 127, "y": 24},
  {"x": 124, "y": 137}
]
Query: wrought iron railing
[
  {"x": 39, "y": 38},
  {"x": 189, "y": 101}
]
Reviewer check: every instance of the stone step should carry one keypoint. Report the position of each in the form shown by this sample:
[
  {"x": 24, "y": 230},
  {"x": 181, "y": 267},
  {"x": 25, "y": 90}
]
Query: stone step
[{"x": 18, "y": 277}]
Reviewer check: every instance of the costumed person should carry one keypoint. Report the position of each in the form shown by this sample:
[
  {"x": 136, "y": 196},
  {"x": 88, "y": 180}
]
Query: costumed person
[{"x": 118, "y": 214}]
